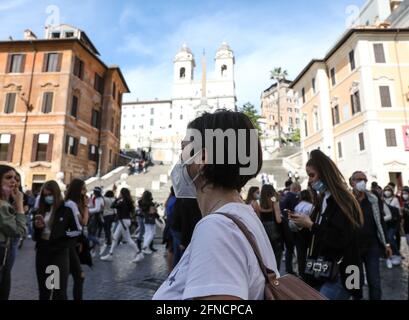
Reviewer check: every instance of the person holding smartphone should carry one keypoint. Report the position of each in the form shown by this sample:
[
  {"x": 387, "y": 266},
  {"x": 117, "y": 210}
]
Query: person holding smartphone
[
  {"x": 12, "y": 224},
  {"x": 333, "y": 231}
]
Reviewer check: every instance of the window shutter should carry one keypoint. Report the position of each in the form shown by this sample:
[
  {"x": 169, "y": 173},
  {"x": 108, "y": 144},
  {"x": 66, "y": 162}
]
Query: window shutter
[
  {"x": 385, "y": 97},
  {"x": 59, "y": 62},
  {"x": 11, "y": 148},
  {"x": 8, "y": 66},
  {"x": 379, "y": 53},
  {"x": 34, "y": 148},
  {"x": 23, "y": 63},
  {"x": 50, "y": 148},
  {"x": 45, "y": 62},
  {"x": 10, "y": 103},
  {"x": 75, "y": 147}
]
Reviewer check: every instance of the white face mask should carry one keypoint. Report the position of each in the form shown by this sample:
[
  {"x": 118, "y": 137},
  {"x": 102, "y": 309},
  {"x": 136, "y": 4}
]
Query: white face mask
[
  {"x": 387, "y": 194},
  {"x": 361, "y": 186},
  {"x": 183, "y": 184},
  {"x": 405, "y": 197}
]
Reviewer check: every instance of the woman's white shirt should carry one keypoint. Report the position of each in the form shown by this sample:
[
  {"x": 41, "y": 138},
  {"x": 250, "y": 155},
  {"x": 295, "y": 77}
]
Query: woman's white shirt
[{"x": 220, "y": 260}]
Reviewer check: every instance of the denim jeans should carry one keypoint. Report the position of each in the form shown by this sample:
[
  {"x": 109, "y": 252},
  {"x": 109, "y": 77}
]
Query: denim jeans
[
  {"x": 176, "y": 240},
  {"x": 391, "y": 237},
  {"x": 335, "y": 290},
  {"x": 13, "y": 251},
  {"x": 370, "y": 260}
]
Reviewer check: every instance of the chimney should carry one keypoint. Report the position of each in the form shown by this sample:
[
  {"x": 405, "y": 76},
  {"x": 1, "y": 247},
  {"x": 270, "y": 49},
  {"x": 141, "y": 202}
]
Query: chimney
[{"x": 29, "y": 35}]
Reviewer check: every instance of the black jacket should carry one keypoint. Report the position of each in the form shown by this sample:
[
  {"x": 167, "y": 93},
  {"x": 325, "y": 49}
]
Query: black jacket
[
  {"x": 336, "y": 238},
  {"x": 124, "y": 209},
  {"x": 64, "y": 231}
]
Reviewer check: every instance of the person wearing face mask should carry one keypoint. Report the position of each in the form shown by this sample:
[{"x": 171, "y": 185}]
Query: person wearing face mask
[
  {"x": 405, "y": 212},
  {"x": 56, "y": 228},
  {"x": 333, "y": 230},
  {"x": 253, "y": 198},
  {"x": 12, "y": 224},
  {"x": 392, "y": 210},
  {"x": 219, "y": 263},
  {"x": 372, "y": 235}
]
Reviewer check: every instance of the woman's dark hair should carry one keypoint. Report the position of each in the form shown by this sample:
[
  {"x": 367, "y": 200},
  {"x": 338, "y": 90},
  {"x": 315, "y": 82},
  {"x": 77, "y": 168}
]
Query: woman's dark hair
[
  {"x": 20, "y": 188},
  {"x": 267, "y": 192},
  {"x": 126, "y": 196},
  {"x": 337, "y": 186},
  {"x": 109, "y": 194},
  {"x": 305, "y": 195},
  {"x": 3, "y": 171},
  {"x": 250, "y": 194},
  {"x": 74, "y": 192},
  {"x": 53, "y": 187},
  {"x": 146, "y": 201},
  {"x": 228, "y": 175}
]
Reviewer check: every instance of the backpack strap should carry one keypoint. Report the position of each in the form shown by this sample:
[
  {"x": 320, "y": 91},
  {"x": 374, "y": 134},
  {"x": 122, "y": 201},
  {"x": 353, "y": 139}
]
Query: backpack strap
[{"x": 253, "y": 244}]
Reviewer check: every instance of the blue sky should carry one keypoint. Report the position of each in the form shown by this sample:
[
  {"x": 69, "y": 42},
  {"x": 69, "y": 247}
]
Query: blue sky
[{"x": 142, "y": 37}]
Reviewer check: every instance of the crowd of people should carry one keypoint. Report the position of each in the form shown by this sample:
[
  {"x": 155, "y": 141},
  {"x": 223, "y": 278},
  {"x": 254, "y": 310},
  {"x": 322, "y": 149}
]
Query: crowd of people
[
  {"x": 67, "y": 229},
  {"x": 331, "y": 226}
]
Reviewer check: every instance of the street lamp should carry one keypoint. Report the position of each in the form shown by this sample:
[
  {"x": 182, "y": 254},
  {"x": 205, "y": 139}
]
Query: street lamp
[{"x": 99, "y": 162}]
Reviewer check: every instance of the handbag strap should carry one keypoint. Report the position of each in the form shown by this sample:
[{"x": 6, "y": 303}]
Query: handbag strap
[{"x": 253, "y": 244}]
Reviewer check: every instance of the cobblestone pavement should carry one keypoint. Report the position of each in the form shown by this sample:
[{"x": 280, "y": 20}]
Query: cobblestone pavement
[{"x": 122, "y": 280}]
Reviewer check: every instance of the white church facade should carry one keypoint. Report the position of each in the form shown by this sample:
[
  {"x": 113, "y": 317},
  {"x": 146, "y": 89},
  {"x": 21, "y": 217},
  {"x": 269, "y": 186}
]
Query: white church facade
[{"x": 159, "y": 125}]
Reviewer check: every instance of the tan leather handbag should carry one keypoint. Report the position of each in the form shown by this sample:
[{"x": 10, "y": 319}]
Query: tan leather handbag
[{"x": 288, "y": 287}]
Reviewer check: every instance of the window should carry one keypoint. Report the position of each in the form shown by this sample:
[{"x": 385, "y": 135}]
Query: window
[
  {"x": 16, "y": 63},
  {"x": 47, "y": 102},
  {"x": 95, "y": 119},
  {"x": 303, "y": 95},
  {"x": 313, "y": 86},
  {"x": 306, "y": 127},
  {"x": 182, "y": 73},
  {"x": 71, "y": 145},
  {"x": 355, "y": 103},
  {"x": 92, "y": 153},
  {"x": 181, "y": 117},
  {"x": 52, "y": 62},
  {"x": 74, "y": 106},
  {"x": 171, "y": 116},
  {"x": 352, "y": 60},
  {"x": 335, "y": 115},
  {"x": 152, "y": 122},
  {"x": 69, "y": 34},
  {"x": 112, "y": 124},
  {"x": 361, "y": 142},
  {"x": 114, "y": 90},
  {"x": 79, "y": 68},
  {"x": 390, "y": 138},
  {"x": 316, "y": 121},
  {"x": 385, "y": 97},
  {"x": 333, "y": 80},
  {"x": 56, "y": 35},
  {"x": 339, "y": 150},
  {"x": 110, "y": 156},
  {"x": 379, "y": 53},
  {"x": 152, "y": 111},
  {"x": 224, "y": 71},
  {"x": 99, "y": 83},
  {"x": 6, "y": 147},
  {"x": 297, "y": 121},
  {"x": 10, "y": 103},
  {"x": 290, "y": 121},
  {"x": 42, "y": 147}
]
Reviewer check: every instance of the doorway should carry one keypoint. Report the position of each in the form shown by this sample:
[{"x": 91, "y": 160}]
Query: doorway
[{"x": 396, "y": 178}]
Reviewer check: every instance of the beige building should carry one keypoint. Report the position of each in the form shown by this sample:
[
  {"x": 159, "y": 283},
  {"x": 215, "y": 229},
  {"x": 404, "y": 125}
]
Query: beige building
[
  {"x": 355, "y": 104},
  {"x": 60, "y": 106},
  {"x": 289, "y": 111}
]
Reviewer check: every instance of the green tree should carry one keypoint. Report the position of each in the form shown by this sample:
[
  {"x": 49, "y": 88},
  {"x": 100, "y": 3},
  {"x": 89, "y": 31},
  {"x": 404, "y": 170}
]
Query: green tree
[
  {"x": 296, "y": 136},
  {"x": 250, "y": 111}
]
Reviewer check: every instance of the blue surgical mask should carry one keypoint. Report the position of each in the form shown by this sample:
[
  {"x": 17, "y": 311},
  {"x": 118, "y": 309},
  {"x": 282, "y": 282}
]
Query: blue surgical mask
[
  {"x": 49, "y": 200},
  {"x": 319, "y": 186}
]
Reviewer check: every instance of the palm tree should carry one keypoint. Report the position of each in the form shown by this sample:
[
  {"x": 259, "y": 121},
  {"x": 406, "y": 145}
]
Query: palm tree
[{"x": 278, "y": 74}]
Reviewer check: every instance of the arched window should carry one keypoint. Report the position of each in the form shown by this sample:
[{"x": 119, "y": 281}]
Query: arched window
[
  {"x": 224, "y": 70},
  {"x": 182, "y": 74}
]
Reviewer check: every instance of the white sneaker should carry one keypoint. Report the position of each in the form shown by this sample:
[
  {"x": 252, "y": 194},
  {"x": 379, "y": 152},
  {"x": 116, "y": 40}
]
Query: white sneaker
[
  {"x": 396, "y": 260},
  {"x": 102, "y": 249},
  {"x": 109, "y": 257},
  {"x": 389, "y": 264},
  {"x": 147, "y": 251},
  {"x": 139, "y": 258}
]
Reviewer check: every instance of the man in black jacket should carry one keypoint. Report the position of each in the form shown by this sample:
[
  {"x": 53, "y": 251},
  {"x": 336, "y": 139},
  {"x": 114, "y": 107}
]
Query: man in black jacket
[{"x": 372, "y": 235}]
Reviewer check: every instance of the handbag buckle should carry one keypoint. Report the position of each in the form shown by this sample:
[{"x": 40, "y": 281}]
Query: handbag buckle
[{"x": 317, "y": 267}]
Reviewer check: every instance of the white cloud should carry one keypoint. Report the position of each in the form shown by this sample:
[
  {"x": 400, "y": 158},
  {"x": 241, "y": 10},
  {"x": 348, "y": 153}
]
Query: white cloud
[
  {"x": 7, "y": 4},
  {"x": 134, "y": 44}
]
